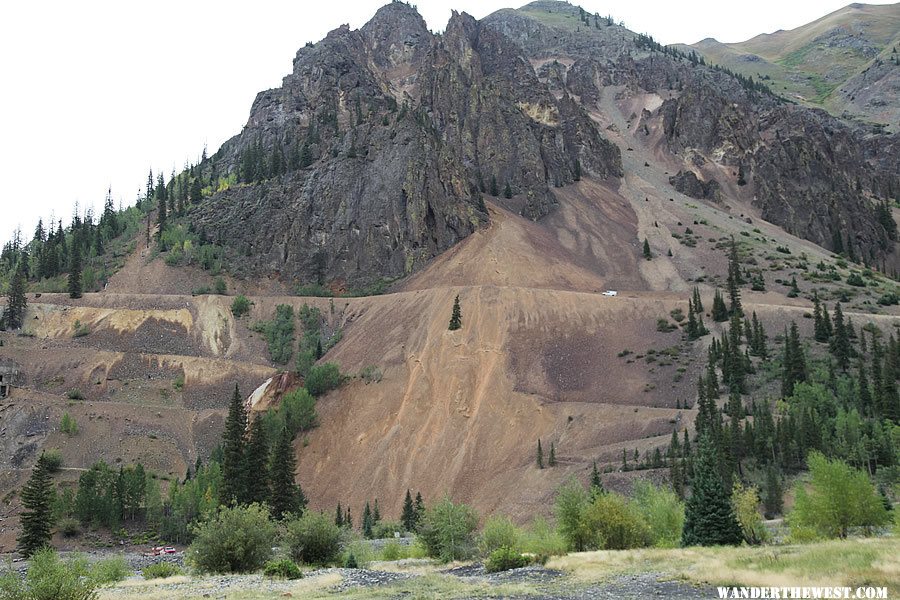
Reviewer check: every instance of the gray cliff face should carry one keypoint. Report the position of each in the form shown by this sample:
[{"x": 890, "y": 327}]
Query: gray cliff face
[
  {"x": 385, "y": 141},
  {"x": 813, "y": 174}
]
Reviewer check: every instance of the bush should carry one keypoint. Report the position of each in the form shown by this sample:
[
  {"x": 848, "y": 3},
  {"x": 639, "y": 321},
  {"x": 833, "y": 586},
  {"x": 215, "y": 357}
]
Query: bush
[
  {"x": 49, "y": 578},
  {"x": 220, "y": 286},
  {"x": 541, "y": 539},
  {"x": 839, "y": 497},
  {"x": 498, "y": 532},
  {"x": 447, "y": 530},
  {"x": 69, "y": 527},
  {"x": 161, "y": 570},
  {"x": 745, "y": 502},
  {"x": 68, "y": 425},
  {"x": 393, "y": 551},
  {"x": 109, "y": 570},
  {"x": 614, "y": 524},
  {"x": 53, "y": 460},
  {"x": 282, "y": 569},
  {"x": 373, "y": 374},
  {"x": 322, "y": 378},
  {"x": 571, "y": 502},
  {"x": 855, "y": 280},
  {"x": 240, "y": 306},
  {"x": 81, "y": 330},
  {"x": 313, "y": 539},
  {"x": 662, "y": 511},
  {"x": 233, "y": 540},
  {"x": 75, "y": 394},
  {"x": 504, "y": 559},
  {"x": 386, "y": 529},
  {"x": 280, "y": 334}
]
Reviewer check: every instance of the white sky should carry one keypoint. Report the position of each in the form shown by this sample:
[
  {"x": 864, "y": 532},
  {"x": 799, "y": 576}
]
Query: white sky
[{"x": 96, "y": 92}]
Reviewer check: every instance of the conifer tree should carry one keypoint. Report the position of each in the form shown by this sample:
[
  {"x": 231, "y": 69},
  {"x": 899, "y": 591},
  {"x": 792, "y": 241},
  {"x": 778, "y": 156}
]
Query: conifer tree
[
  {"x": 408, "y": 516},
  {"x": 709, "y": 517},
  {"x": 233, "y": 447},
  {"x": 339, "y": 516},
  {"x": 540, "y": 455},
  {"x": 286, "y": 496},
  {"x": 719, "y": 310},
  {"x": 698, "y": 303},
  {"x": 647, "y": 253},
  {"x": 75, "y": 270},
  {"x": 16, "y": 302},
  {"x": 376, "y": 513},
  {"x": 507, "y": 191},
  {"x": 772, "y": 498},
  {"x": 367, "y": 521},
  {"x": 161, "y": 214},
  {"x": 820, "y": 333},
  {"x": 596, "y": 482},
  {"x": 37, "y": 516},
  {"x": 794, "y": 362},
  {"x": 494, "y": 190},
  {"x": 420, "y": 508},
  {"x": 734, "y": 279},
  {"x": 577, "y": 170},
  {"x": 840, "y": 342},
  {"x": 456, "y": 316},
  {"x": 256, "y": 465},
  {"x": 551, "y": 461}
]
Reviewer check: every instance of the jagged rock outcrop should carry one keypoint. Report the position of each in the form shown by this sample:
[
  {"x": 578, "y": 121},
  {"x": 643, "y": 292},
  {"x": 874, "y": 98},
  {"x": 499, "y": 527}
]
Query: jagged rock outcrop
[
  {"x": 809, "y": 172},
  {"x": 687, "y": 183},
  {"x": 374, "y": 154}
]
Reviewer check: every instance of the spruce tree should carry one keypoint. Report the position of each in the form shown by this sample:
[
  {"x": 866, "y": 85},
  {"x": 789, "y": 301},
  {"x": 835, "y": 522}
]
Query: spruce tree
[
  {"x": 551, "y": 461},
  {"x": 286, "y": 496},
  {"x": 540, "y": 455},
  {"x": 15, "y": 299},
  {"x": 596, "y": 482},
  {"x": 339, "y": 516},
  {"x": 161, "y": 214},
  {"x": 494, "y": 190},
  {"x": 75, "y": 270},
  {"x": 794, "y": 362},
  {"x": 37, "y": 516},
  {"x": 256, "y": 465},
  {"x": 233, "y": 447},
  {"x": 840, "y": 342},
  {"x": 734, "y": 280},
  {"x": 367, "y": 522},
  {"x": 719, "y": 310},
  {"x": 420, "y": 508},
  {"x": 647, "y": 253},
  {"x": 507, "y": 191},
  {"x": 772, "y": 498},
  {"x": 376, "y": 513},
  {"x": 577, "y": 170},
  {"x": 820, "y": 332},
  {"x": 456, "y": 316},
  {"x": 408, "y": 516},
  {"x": 709, "y": 518},
  {"x": 698, "y": 303}
]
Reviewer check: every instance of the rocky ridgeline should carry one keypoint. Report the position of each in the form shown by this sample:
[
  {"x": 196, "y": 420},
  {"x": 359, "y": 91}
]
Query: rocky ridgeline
[{"x": 400, "y": 133}]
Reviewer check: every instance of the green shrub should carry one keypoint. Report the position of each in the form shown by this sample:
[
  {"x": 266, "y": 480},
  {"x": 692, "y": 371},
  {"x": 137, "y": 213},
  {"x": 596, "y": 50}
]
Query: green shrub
[
  {"x": 109, "y": 570},
  {"x": 233, "y": 540},
  {"x": 350, "y": 561},
  {"x": 663, "y": 512},
  {"x": 280, "y": 334},
  {"x": 504, "y": 559},
  {"x": 240, "y": 306},
  {"x": 282, "y": 569},
  {"x": 69, "y": 527},
  {"x": 322, "y": 378},
  {"x": 394, "y": 551},
  {"x": 855, "y": 280},
  {"x": 362, "y": 553},
  {"x": 81, "y": 330},
  {"x": 371, "y": 374},
  {"x": 161, "y": 570},
  {"x": 49, "y": 578},
  {"x": 745, "y": 502},
  {"x": 220, "y": 286},
  {"x": 447, "y": 530},
  {"x": 68, "y": 425},
  {"x": 542, "y": 539},
  {"x": 313, "y": 539},
  {"x": 53, "y": 460},
  {"x": 314, "y": 290},
  {"x": 498, "y": 532},
  {"x": 838, "y": 498},
  {"x": 75, "y": 394},
  {"x": 571, "y": 502},
  {"x": 614, "y": 524},
  {"x": 386, "y": 529}
]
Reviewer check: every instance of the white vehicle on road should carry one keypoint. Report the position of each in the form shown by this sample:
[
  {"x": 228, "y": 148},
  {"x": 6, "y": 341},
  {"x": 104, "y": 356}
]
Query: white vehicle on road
[{"x": 610, "y": 293}]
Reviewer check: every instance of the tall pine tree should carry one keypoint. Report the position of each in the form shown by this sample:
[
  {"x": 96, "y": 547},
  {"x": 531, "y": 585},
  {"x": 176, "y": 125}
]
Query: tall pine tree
[
  {"x": 233, "y": 447},
  {"x": 287, "y": 497},
  {"x": 75, "y": 269},
  {"x": 708, "y": 517},
  {"x": 37, "y": 516},
  {"x": 256, "y": 465}
]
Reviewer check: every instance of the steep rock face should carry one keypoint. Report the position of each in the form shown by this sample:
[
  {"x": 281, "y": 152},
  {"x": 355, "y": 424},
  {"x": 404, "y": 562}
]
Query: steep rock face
[
  {"x": 687, "y": 183},
  {"x": 373, "y": 155},
  {"x": 807, "y": 171}
]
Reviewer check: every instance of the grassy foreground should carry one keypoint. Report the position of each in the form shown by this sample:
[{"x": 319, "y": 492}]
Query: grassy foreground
[{"x": 853, "y": 562}]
